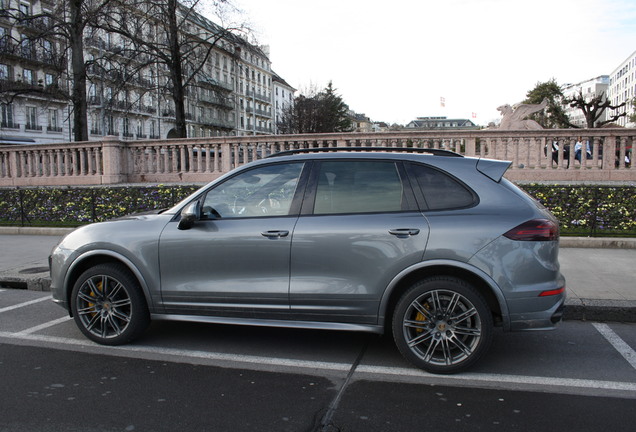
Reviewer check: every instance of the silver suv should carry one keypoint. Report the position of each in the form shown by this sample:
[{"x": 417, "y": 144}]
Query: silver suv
[{"x": 427, "y": 245}]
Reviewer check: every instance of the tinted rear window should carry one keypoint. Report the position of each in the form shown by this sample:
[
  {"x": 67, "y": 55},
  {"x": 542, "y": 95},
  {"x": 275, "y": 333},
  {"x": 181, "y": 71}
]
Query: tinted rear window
[
  {"x": 358, "y": 187},
  {"x": 440, "y": 190}
]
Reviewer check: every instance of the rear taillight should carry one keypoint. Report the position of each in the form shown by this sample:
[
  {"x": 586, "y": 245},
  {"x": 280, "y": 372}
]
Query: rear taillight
[
  {"x": 535, "y": 230},
  {"x": 552, "y": 292}
]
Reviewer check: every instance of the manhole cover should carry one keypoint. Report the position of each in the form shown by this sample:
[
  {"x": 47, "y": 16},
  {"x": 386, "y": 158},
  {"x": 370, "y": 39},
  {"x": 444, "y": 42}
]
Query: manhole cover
[{"x": 34, "y": 270}]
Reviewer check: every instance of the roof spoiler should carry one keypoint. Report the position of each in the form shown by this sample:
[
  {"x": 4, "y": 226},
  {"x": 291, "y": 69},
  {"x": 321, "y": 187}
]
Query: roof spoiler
[{"x": 493, "y": 169}]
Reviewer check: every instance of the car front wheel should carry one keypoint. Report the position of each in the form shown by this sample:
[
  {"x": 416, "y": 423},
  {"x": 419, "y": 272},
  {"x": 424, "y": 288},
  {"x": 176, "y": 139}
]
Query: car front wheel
[
  {"x": 442, "y": 325},
  {"x": 108, "y": 305}
]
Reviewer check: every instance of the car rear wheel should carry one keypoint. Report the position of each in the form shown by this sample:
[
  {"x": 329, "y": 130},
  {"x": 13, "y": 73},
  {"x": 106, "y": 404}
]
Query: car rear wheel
[
  {"x": 108, "y": 305},
  {"x": 442, "y": 325}
]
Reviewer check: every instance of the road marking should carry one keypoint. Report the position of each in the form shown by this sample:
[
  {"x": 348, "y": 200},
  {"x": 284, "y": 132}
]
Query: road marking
[
  {"x": 43, "y": 326},
  {"x": 19, "y": 305},
  {"x": 619, "y": 344},
  {"x": 509, "y": 379},
  {"x": 236, "y": 359}
]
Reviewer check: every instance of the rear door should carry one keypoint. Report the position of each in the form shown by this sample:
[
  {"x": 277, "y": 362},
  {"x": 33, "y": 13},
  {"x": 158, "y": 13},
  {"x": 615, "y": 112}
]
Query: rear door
[{"x": 359, "y": 228}]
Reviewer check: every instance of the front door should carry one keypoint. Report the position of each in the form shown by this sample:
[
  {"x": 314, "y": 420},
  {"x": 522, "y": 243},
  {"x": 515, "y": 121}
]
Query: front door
[{"x": 235, "y": 260}]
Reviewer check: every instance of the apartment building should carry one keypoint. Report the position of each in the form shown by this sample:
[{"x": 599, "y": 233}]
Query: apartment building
[
  {"x": 231, "y": 94},
  {"x": 589, "y": 89},
  {"x": 36, "y": 108},
  {"x": 283, "y": 99},
  {"x": 622, "y": 88}
]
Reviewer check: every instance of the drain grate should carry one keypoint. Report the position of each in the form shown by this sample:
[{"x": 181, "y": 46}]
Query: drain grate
[{"x": 34, "y": 270}]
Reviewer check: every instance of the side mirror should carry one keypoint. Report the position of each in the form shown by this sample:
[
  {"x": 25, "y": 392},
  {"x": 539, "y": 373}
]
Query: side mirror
[{"x": 189, "y": 215}]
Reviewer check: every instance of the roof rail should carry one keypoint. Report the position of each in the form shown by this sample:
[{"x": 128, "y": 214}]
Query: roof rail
[{"x": 435, "y": 152}]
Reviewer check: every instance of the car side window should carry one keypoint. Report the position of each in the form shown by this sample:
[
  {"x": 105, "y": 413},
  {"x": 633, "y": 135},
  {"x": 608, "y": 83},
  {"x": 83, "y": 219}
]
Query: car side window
[
  {"x": 358, "y": 187},
  {"x": 259, "y": 192},
  {"x": 441, "y": 191}
]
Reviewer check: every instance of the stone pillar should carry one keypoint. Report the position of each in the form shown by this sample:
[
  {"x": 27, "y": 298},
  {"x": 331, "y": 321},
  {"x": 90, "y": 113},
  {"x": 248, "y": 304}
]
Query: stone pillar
[
  {"x": 471, "y": 146},
  {"x": 609, "y": 152},
  {"x": 115, "y": 169}
]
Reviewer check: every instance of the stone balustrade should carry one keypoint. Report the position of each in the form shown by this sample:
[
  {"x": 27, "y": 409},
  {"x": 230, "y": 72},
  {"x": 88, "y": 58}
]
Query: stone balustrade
[{"x": 199, "y": 160}]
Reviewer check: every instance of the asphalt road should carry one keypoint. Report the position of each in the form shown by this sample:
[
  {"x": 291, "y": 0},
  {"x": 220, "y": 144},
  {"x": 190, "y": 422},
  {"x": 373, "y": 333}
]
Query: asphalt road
[{"x": 196, "y": 377}]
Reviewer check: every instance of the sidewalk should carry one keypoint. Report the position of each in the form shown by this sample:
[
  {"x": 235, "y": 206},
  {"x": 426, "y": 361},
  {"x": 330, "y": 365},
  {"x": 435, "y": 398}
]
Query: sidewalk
[{"x": 599, "y": 272}]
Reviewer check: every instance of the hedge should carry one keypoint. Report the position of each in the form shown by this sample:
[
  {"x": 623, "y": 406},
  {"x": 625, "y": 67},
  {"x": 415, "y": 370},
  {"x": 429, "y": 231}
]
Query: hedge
[
  {"x": 70, "y": 207},
  {"x": 581, "y": 210},
  {"x": 604, "y": 211}
]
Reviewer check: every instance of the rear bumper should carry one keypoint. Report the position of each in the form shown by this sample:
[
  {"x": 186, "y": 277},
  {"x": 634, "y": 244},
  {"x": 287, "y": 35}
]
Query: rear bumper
[{"x": 538, "y": 320}]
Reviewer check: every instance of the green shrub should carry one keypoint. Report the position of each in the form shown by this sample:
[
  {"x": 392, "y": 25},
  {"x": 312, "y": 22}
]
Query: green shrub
[
  {"x": 590, "y": 210},
  {"x": 78, "y": 206}
]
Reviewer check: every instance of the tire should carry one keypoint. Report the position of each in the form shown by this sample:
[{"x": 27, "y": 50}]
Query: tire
[
  {"x": 108, "y": 305},
  {"x": 442, "y": 325}
]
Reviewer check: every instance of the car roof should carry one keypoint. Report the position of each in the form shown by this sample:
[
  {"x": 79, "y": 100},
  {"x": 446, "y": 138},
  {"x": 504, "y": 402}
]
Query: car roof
[{"x": 400, "y": 150}]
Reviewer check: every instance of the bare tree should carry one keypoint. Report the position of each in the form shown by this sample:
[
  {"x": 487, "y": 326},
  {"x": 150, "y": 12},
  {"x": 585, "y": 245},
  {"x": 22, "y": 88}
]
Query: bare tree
[
  {"x": 594, "y": 108},
  {"x": 175, "y": 39}
]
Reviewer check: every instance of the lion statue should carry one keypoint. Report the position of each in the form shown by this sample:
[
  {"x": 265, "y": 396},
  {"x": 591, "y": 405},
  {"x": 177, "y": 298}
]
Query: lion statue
[{"x": 514, "y": 117}]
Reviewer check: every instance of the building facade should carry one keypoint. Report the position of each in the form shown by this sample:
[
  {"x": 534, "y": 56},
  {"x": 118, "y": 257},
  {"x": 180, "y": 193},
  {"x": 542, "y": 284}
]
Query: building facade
[
  {"x": 36, "y": 108},
  {"x": 232, "y": 93},
  {"x": 622, "y": 88},
  {"x": 283, "y": 99},
  {"x": 432, "y": 123}
]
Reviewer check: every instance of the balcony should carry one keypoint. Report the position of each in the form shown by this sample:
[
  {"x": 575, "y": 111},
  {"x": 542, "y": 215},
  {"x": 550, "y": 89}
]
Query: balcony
[
  {"x": 205, "y": 80},
  {"x": 259, "y": 96},
  {"x": 9, "y": 124},
  {"x": 33, "y": 127},
  {"x": 218, "y": 101}
]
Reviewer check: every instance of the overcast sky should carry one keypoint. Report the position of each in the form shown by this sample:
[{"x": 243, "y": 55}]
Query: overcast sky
[{"x": 394, "y": 59}]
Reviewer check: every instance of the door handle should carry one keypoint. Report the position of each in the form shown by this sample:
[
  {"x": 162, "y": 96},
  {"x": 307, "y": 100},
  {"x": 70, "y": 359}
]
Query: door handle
[
  {"x": 275, "y": 234},
  {"x": 404, "y": 232}
]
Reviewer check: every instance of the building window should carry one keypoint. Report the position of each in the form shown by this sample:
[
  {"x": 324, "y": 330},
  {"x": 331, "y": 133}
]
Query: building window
[
  {"x": 31, "y": 117},
  {"x": 54, "y": 123},
  {"x": 25, "y": 46},
  {"x": 25, "y": 9},
  {"x": 28, "y": 76},
  {"x": 127, "y": 128},
  {"x": 4, "y": 38},
  {"x": 7, "y": 115},
  {"x": 4, "y": 72},
  {"x": 110, "y": 125}
]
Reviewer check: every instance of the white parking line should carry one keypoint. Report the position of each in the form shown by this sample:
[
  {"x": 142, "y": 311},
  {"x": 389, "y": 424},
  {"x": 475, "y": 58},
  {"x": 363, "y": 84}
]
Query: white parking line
[
  {"x": 619, "y": 344},
  {"x": 237, "y": 359},
  {"x": 28, "y": 303},
  {"x": 43, "y": 326}
]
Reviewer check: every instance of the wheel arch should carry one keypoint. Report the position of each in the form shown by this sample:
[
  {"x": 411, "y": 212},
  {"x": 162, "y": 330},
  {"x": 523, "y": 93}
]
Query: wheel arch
[
  {"x": 485, "y": 285},
  {"x": 97, "y": 257}
]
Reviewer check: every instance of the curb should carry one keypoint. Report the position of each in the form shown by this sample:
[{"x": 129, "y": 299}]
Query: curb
[
  {"x": 598, "y": 242},
  {"x": 35, "y": 231},
  {"x": 600, "y": 310}
]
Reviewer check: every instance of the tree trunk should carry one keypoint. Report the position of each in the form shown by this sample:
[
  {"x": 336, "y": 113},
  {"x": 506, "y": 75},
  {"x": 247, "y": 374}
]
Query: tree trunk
[
  {"x": 176, "y": 73},
  {"x": 78, "y": 71}
]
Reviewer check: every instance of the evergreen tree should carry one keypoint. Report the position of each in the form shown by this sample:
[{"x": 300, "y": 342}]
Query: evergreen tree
[
  {"x": 321, "y": 112},
  {"x": 554, "y": 115}
]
